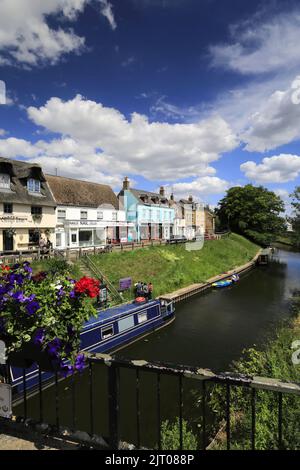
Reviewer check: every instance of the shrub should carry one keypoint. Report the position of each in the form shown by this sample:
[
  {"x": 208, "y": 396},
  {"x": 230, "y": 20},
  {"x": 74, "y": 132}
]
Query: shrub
[{"x": 171, "y": 436}]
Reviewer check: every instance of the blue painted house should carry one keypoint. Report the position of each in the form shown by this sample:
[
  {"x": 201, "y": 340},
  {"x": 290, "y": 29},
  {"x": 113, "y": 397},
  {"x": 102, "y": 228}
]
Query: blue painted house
[{"x": 151, "y": 213}]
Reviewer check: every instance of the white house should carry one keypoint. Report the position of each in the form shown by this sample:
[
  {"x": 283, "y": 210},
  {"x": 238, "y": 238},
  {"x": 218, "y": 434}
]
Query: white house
[{"x": 88, "y": 214}]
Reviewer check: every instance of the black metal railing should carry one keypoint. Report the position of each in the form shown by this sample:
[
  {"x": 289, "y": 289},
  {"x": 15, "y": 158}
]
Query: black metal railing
[{"x": 113, "y": 366}]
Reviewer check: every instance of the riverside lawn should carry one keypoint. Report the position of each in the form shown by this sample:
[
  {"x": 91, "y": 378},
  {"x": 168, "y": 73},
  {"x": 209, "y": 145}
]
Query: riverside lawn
[
  {"x": 167, "y": 267},
  {"x": 172, "y": 267}
]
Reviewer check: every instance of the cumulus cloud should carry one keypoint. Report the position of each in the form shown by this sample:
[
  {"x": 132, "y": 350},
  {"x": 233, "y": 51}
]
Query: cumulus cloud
[
  {"x": 64, "y": 156},
  {"x": 201, "y": 187},
  {"x": 26, "y": 36},
  {"x": 277, "y": 122},
  {"x": 261, "y": 45},
  {"x": 277, "y": 169},
  {"x": 154, "y": 150}
]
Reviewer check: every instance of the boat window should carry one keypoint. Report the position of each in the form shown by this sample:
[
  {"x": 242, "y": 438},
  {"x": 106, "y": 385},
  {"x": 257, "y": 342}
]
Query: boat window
[
  {"x": 107, "y": 332},
  {"x": 163, "y": 309},
  {"x": 126, "y": 323},
  {"x": 142, "y": 317}
]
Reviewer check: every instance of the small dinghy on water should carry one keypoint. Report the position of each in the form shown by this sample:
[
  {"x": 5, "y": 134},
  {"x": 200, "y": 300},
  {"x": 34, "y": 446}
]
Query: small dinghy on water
[
  {"x": 227, "y": 282},
  {"x": 221, "y": 284}
]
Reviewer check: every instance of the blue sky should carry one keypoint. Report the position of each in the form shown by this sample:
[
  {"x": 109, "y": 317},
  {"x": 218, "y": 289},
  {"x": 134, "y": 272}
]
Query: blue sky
[{"x": 198, "y": 95}]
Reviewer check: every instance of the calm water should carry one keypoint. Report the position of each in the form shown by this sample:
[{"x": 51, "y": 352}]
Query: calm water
[{"x": 211, "y": 330}]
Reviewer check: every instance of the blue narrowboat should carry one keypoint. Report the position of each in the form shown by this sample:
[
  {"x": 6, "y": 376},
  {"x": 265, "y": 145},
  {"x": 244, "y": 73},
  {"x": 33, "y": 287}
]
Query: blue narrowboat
[{"x": 113, "y": 329}]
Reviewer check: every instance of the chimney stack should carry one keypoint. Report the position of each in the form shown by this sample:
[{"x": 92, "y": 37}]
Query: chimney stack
[
  {"x": 126, "y": 183},
  {"x": 172, "y": 197},
  {"x": 162, "y": 191},
  {"x": 190, "y": 198}
]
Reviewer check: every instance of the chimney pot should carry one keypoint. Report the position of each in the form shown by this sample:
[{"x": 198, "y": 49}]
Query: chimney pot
[
  {"x": 162, "y": 191},
  {"x": 126, "y": 183},
  {"x": 190, "y": 198}
]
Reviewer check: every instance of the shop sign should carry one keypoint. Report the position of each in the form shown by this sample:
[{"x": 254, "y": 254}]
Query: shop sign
[{"x": 11, "y": 218}]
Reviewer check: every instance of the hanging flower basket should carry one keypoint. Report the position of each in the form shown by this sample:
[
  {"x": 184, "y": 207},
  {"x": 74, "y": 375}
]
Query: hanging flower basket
[{"x": 41, "y": 317}]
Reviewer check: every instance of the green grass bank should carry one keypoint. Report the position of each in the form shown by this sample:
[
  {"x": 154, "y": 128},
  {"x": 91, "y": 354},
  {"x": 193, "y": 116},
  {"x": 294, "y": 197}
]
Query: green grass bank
[{"x": 172, "y": 267}]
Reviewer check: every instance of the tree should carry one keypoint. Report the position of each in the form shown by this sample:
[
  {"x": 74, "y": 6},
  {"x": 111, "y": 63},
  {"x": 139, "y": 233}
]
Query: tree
[
  {"x": 253, "y": 211},
  {"x": 295, "y": 219}
]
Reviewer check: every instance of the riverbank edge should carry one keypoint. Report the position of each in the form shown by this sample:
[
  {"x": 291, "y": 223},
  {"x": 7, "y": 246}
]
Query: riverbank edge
[
  {"x": 193, "y": 289},
  {"x": 279, "y": 344}
]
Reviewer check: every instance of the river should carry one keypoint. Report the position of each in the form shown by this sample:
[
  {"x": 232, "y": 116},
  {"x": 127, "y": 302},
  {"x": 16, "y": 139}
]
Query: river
[{"x": 210, "y": 331}]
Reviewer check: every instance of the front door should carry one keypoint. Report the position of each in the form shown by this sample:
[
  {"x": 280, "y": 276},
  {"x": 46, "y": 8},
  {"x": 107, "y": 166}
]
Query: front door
[{"x": 8, "y": 241}]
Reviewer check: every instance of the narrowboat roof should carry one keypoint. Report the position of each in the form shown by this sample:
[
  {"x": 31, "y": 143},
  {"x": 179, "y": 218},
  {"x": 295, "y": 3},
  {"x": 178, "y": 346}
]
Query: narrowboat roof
[{"x": 115, "y": 312}]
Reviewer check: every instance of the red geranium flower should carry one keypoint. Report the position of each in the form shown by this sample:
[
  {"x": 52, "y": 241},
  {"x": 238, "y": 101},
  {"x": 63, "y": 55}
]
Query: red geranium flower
[
  {"x": 5, "y": 268},
  {"x": 88, "y": 286}
]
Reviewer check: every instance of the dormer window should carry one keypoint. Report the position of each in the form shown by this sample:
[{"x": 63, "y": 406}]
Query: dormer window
[
  {"x": 33, "y": 185},
  {"x": 4, "y": 181}
]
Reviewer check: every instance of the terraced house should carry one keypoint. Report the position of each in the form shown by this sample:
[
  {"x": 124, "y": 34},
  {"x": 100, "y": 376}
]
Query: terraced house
[
  {"x": 150, "y": 213},
  {"x": 27, "y": 207},
  {"x": 88, "y": 214}
]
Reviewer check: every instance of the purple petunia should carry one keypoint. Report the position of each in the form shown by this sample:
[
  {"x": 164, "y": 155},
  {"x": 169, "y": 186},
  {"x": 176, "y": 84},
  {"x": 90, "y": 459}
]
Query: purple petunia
[
  {"x": 39, "y": 336},
  {"x": 16, "y": 279},
  {"x": 19, "y": 296},
  {"x": 32, "y": 307},
  {"x": 28, "y": 269},
  {"x": 60, "y": 292},
  {"x": 66, "y": 370},
  {"x": 54, "y": 346},
  {"x": 72, "y": 294},
  {"x": 80, "y": 362}
]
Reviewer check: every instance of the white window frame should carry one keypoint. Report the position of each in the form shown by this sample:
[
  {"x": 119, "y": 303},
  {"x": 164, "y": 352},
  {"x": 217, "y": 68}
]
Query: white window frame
[
  {"x": 4, "y": 181},
  {"x": 106, "y": 327},
  {"x": 100, "y": 215},
  {"x": 59, "y": 216},
  {"x": 33, "y": 185},
  {"x": 114, "y": 216},
  {"x": 141, "y": 317},
  {"x": 83, "y": 212}
]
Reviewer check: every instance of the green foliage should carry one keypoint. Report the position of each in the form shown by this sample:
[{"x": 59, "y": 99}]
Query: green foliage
[
  {"x": 57, "y": 265},
  {"x": 295, "y": 219},
  {"x": 170, "y": 436},
  {"x": 252, "y": 211}
]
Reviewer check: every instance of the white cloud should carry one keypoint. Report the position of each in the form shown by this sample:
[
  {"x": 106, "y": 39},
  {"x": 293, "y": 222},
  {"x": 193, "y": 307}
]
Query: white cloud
[
  {"x": 277, "y": 169},
  {"x": 154, "y": 150},
  {"x": 107, "y": 11},
  {"x": 200, "y": 188},
  {"x": 262, "y": 110},
  {"x": 261, "y": 45},
  {"x": 63, "y": 155},
  {"x": 26, "y": 36},
  {"x": 277, "y": 121}
]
